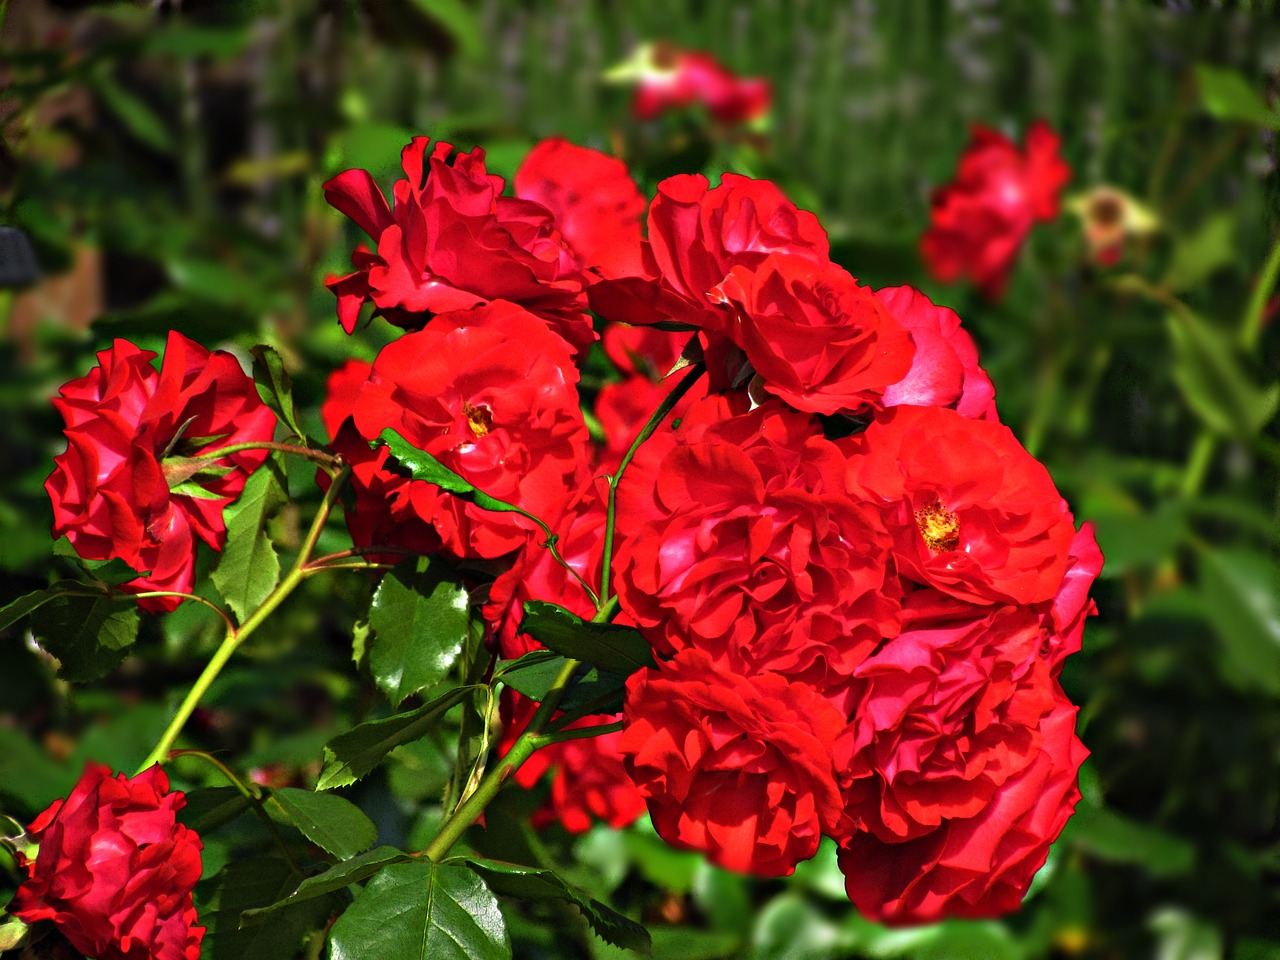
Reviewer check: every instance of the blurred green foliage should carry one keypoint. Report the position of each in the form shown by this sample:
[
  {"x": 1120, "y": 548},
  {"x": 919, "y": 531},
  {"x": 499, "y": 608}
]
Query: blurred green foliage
[{"x": 165, "y": 161}]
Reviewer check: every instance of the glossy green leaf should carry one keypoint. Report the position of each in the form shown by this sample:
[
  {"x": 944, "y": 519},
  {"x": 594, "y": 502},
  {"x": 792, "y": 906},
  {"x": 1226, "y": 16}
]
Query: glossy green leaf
[
  {"x": 326, "y": 819},
  {"x": 337, "y": 877},
  {"x": 617, "y": 649},
  {"x": 1241, "y": 590},
  {"x": 419, "y": 618},
  {"x": 535, "y": 672},
  {"x": 422, "y": 911},
  {"x": 257, "y": 882},
  {"x": 249, "y": 569},
  {"x": 532, "y": 883},
  {"x": 1215, "y": 381},
  {"x": 274, "y": 386},
  {"x": 351, "y": 755},
  {"x": 1225, "y": 94},
  {"x": 89, "y": 635}
]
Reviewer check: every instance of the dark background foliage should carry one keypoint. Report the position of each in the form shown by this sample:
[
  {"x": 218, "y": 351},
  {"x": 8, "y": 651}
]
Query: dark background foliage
[{"x": 165, "y": 159}]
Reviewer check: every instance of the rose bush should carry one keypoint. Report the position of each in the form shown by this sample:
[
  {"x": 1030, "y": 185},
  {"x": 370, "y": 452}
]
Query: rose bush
[{"x": 115, "y": 869}]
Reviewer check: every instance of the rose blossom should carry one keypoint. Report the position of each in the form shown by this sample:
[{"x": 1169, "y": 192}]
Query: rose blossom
[
  {"x": 740, "y": 767},
  {"x": 738, "y": 538},
  {"x": 980, "y": 219},
  {"x": 667, "y": 78},
  {"x": 596, "y": 205},
  {"x": 126, "y": 486},
  {"x": 945, "y": 370},
  {"x": 489, "y": 392},
  {"x": 452, "y": 242},
  {"x": 970, "y": 511},
  {"x": 816, "y": 338},
  {"x": 115, "y": 869}
]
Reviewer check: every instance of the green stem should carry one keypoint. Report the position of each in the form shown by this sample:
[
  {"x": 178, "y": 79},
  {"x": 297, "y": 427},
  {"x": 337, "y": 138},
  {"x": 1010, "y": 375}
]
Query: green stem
[
  {"x": 645, "y": 433},
  {"x": 1251, "y": 324},
  {"x": 319, "y": 456},
  {"x": 235, "y": 637},
  {"x": 529, "y": 741},
  {"x": 189, "y": 596}
]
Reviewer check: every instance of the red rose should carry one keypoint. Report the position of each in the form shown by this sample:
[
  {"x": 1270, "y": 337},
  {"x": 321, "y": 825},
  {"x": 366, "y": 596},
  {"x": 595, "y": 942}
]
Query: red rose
[
  {"x": 1072, "y": 604},
  {"x": 596, "y": 205},
  {"x": 740, "y": 767},
  {"x": 945, "y": 371},
  {"x": 588, "y": 779},
  {"x": 978, "y": 866},
  {"x": 624, "y": 408},
  {"x": 670, "y": 78},
  {"x": 970, "y": 511},
  {"x": 115, "y": 869},
  {"x": 697, "y": 234},
  {"x": 126, "y": 488},
  {"x": 341, "y": 390},
  {"x": 980, "y": 219},
  {"x": 491, "y": 393},
  {"x": 817, "y": 339},
  {"x": 452, "y": 242},
  {"x": 739, "y": 539},
  {"x": 644, "y": 350}
]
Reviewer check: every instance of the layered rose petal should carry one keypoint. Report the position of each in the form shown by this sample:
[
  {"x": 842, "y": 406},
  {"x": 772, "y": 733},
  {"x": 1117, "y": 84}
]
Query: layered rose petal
[{"x": 115, "y": 869}]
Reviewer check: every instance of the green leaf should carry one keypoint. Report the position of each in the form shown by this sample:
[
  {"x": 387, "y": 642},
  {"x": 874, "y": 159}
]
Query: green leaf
[
  {"x": 257, "y": 882},
  {"x": 535, "y": 672},
  {"x": 1117, "y": 839},
  {"x": 326, "y": 819},
  {"x": 337, "y": 877},
  {"x": 137, "y": 116},
  {"x": 458, "y": 20},
  {"x": 1225, "y": 94},
  {"x": 617, "y": 649},
  {"x": 1241, "y": 589},
  {"x": 1203, "y": 252},
  {"x": 209, "y": 808},
  {"x": 1215, "y": 380},
  {"x": 274, "y": 386},
  {"x": 89, "y": 635},
  {"x": 13, "y": 932},
  {"x": 351, "y": 755},
  {"x": 532, "y": 883},
  {"x": 249, "y": 569},
  {"x": 419, "y": 618},
  {"x": 420, "y": 465},
  {"x": 112, "y": 572},
  {"x": 15, "y": 610},
  {"x": 422, "y": 911}
]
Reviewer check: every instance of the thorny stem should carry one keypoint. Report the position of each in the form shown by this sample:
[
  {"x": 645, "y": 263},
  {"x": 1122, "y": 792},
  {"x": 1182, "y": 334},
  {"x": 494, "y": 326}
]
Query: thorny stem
[{"x": 235, "y": 637}]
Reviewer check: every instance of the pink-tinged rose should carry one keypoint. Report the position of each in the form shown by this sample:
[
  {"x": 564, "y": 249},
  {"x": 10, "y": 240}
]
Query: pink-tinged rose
[
  {"x": 668, "y": 78},
  {"x": 491, "y": 393},
  {"x": 945, "y": 370},
  {"x": 115, "y": 869},
  {"x": 980, "y": 866},
  {"x": 596, "y": 205},
  {"x": 981, "y": 218},
  {"x": 969, "y": 510},
  {"x": 127, "y": 485},
  {"x": 739, "y": 767},
  {"x": 818, "y": 340},
  {"x": 452, "y": 241},
  {"x": 738, "y": 538}
]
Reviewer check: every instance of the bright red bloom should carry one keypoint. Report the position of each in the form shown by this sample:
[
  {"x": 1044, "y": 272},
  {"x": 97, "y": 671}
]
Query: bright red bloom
[
  {"x": 341, "y": 390},
  {"x": 979, "y": 866},
  {"x": 596, "y": 205},
  {"x": 970, "y": 511},
  {"x": 115, "y": 869},
  {"x": 980, "y": 219},
  {"x": 127, "y": 487},
  {"x": 817, "y": 339},
  {"x": 624, "y": 408},
  {"x": 489, "y": 392},
  {"x": 452, "y": 242},
  {"x": 945, "y": 370},
  {"x": 648, "y": 351},
  {"x": 696, "y": 235},
  {"x": 740, "y": 767},
  {"x": 738, "y": 538},
  {"x": 670, "y": 78}
]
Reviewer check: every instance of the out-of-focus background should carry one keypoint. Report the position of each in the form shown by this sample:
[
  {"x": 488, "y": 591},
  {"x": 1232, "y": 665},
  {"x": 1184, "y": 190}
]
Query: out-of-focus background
[{"x": 165, "y": 160}]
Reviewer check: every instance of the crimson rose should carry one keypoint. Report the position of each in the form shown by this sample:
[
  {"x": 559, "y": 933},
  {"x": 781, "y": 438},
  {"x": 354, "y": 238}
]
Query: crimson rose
[
  {"x": 127, "y": 485},
  {"x": 115, "y": 869}
]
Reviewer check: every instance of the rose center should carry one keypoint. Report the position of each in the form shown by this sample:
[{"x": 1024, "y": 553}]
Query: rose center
[
  {"x": 939, "y": 527},
  {"x": 479, "y": 418}
]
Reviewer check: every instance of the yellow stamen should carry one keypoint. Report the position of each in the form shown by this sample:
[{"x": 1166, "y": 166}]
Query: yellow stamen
[
  {"x": 479, "y": 418},
  {"x": 939, "y": 527}
]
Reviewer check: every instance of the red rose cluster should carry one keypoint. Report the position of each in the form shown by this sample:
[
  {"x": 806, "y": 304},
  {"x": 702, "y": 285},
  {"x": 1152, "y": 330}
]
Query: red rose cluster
[
  {"x": 858, "y": 586},
  {"x": 115, "y": 869},
  {"x": 140, "y": 479}
]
